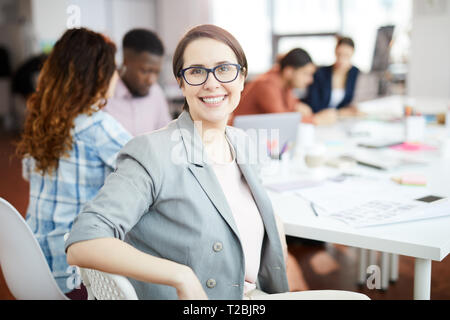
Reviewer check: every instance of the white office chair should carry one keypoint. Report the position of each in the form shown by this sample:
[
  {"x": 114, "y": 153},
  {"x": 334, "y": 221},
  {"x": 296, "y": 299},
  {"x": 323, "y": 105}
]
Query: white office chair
[
  {"x": 105, "y": 286},
  {"x": 24, "y": 267}
]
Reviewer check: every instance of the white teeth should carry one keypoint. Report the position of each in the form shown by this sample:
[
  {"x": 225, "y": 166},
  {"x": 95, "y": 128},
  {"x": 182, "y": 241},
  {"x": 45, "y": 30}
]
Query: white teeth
[{"x": 213, "y": 100}]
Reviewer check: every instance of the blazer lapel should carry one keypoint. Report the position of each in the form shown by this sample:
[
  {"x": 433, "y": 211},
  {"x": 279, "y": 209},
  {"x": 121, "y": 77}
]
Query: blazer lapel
[
  {"x": 202, "y": 171},
  {"x": 208, "y": 181}
]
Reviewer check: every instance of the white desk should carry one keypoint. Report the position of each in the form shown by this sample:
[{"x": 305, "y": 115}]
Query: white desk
[{"x": 425, "y": 240}]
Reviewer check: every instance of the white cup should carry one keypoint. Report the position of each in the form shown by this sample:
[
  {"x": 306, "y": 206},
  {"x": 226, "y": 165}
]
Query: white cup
[{"x": 315, "y": 156}]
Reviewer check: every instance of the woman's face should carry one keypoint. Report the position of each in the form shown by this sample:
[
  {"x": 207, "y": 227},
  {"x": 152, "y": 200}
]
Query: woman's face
[
  {"x": 213, "y": 101},
  {"x": 302, "y": 77},
  {"x": 344, "y": 54}
]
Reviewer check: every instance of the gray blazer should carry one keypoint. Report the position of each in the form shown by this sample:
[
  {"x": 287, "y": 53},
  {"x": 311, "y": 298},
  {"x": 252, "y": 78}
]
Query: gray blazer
[{"x": 164, "y": 199}]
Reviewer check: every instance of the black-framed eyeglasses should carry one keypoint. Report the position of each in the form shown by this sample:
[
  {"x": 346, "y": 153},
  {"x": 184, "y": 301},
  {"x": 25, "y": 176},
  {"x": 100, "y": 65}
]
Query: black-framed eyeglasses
[{"x": 224, "y": 73}]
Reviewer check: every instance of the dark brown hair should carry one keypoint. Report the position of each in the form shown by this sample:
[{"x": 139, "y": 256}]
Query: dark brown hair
[
  {"x": 212, "y": 32},
  {"x": 295, "y": 58},
  {"x": 74, "y": 77},
  {"x": 345, "y": 40}
]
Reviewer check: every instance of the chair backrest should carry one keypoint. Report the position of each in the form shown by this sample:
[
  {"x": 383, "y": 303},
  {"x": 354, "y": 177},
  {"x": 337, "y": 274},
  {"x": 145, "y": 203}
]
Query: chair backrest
[
  {"x": 24, "y": 266},
  {"x": 105, "y": 286}
]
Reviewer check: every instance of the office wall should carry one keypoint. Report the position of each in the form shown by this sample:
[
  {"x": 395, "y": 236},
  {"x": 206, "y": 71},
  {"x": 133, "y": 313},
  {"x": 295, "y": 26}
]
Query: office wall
[
  {"x": 429, "y": 67},
  {"x": 112, "y": 17},
  {"x": 173, "y": 19},
  {"x": 129, "y": 14}
]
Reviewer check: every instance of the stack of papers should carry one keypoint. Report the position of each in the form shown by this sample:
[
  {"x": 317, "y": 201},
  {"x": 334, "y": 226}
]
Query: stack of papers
[{"x": 364, "y": 202}]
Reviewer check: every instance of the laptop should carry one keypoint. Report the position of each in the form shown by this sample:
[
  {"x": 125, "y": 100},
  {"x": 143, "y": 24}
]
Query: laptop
[{"x": 276, "y": 131}]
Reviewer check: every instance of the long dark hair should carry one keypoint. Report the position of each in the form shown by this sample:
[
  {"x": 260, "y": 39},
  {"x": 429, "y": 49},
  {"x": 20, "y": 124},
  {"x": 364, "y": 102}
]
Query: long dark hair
[{"x": 74, "y": 77}]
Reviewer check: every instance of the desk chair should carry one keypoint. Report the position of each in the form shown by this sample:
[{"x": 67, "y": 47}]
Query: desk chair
[
  {"x": 105, "y": 286},
  {"x": 24, "y": 266}
]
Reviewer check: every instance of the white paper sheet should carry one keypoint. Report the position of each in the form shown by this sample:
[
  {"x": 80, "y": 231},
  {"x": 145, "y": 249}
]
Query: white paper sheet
[{"x": 365, "y": 202}]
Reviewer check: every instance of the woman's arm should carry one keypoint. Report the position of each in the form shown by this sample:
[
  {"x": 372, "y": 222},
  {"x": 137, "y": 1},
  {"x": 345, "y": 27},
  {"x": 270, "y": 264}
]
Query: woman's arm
[
  {"x": 325, "y": 117},
  {"x": 112, "y": 255},
  {"x": 96, "y": 238}
]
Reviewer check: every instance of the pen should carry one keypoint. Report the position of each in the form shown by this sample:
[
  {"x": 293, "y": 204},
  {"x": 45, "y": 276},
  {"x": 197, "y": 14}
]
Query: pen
[
  {"x": 369, "y": 165},
  {"x": 313, "y": 207},
  {"x": 283, "y": 150}
]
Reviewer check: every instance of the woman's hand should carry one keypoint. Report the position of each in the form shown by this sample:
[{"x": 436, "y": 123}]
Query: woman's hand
[
  {"x": 350, "y": 111},
  {"x": 188, "y": 286},
  {"x": 325, "y": 117},
  {"x": 304, "y": 109}
]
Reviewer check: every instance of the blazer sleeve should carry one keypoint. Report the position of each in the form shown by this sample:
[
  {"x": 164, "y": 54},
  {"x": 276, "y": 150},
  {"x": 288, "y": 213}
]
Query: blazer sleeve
[
  {"x": 127, "y": 194},
  {"x": 316, "y": 92}
]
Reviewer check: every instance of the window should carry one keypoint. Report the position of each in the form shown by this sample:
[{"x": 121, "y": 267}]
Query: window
[
  {"x": 320, "y": 48},
  {"x": 310, "y": 24},
  {"x": 362, "y": 19},
  {"x": 249, "y": 22},
  {"x": 306, "y": 16}
]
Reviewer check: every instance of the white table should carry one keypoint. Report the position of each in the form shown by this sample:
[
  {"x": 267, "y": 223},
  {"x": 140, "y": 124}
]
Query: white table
[{"x": 425, "y": 240}]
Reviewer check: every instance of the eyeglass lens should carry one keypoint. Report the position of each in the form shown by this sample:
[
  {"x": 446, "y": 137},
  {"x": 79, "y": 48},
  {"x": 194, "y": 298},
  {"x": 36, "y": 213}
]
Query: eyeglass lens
[{"x": 223, "y": 73}]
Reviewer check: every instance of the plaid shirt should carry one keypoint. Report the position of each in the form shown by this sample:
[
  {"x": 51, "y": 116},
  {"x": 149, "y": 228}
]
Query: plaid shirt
[{"x": 56, "y": 199}]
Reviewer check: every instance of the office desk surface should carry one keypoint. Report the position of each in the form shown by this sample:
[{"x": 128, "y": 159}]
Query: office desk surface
[{"x": 426, "y": 239}]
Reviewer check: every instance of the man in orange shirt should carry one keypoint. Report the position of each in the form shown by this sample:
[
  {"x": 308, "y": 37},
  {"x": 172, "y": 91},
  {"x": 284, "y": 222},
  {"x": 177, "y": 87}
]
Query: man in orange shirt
[{"x": 272, "y": 92}]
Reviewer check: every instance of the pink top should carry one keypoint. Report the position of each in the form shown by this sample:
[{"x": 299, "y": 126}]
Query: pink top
[
  {"x": 246, "y": 215},
  {"x": 139, "y": 114}
]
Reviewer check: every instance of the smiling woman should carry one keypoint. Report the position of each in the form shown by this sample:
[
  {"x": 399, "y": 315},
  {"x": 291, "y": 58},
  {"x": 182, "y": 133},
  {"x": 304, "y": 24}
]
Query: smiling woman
[{"x": 202, "y": 227}]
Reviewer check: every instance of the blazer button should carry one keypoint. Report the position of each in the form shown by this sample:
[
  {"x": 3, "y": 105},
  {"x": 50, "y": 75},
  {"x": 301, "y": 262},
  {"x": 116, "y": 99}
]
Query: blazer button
[
  {"x": 217, "y": 246},
  {"x": 211, "y": 283}
]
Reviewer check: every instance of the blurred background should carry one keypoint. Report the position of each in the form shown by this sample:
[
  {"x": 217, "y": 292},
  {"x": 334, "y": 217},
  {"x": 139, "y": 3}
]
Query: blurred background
[{"x": 402, "y": 46}]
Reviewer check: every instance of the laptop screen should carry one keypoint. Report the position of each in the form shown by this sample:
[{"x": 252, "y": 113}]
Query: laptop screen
[{"x": 275, "y": 131}]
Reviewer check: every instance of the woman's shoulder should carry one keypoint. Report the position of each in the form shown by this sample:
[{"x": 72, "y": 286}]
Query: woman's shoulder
[
  {"x": 325, "y": 69},
  {"x": 97, "y": 119},
  {"x": 323, "y": 73},
  {"x": 100, "y": 127},
  {"x": 158, "y": 142},
  {"x": 354, "y": 70}
]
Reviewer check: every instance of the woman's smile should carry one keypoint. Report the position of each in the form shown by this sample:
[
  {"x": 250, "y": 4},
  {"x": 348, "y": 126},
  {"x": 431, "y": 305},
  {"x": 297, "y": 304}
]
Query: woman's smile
[{"x": 213, "y": 101}]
